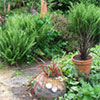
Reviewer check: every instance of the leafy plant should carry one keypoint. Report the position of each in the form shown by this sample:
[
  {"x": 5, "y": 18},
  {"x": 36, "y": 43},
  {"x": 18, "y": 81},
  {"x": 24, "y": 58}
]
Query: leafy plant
[
  {"x": 87, "y": 92},
  {"x": 85, "y": 23},
  {"x": 51, "y": 70},
  {"x": 45, "y": 31},
  {"x": 61, "y": 24},
  {"x": 16, "y": 41}
]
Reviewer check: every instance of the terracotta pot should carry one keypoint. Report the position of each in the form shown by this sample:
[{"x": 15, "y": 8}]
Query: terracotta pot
[
  {"x": 48, "y": 88},
  {"x": 83, "y": 66}
]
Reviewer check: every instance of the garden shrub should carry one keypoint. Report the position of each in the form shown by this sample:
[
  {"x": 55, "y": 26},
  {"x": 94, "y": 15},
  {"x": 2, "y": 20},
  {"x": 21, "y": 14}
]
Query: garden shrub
[
  {"x": 17, "y": 39},
  {"x": 48, "y": 39},
  {"x": 61, "y": 24},
  {"x": 30, "y": 28},
  {"x": 86, "y": 20}
]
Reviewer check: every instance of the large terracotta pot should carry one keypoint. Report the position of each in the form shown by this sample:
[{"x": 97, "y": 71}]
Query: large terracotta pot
[
  {"x": 83, "y": 66},
  {"x": 48, "y": 88}
]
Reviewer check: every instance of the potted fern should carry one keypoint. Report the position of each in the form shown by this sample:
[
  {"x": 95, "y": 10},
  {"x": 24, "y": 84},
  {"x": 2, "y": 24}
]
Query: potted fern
[{"x": 85, "y": 23}]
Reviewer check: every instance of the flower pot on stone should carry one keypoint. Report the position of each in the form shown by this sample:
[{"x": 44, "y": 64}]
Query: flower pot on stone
[{"x": 48, "y": 88}]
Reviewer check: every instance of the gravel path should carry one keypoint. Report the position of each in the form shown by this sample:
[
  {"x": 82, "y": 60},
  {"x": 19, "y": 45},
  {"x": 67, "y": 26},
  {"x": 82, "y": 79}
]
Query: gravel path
[{"x": 12, "y": 87}]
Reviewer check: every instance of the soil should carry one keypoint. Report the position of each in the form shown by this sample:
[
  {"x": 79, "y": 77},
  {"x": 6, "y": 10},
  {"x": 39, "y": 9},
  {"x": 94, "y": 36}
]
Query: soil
[
  {"x": 13, "y": 87},
  {"x": 79, "y": 58}
]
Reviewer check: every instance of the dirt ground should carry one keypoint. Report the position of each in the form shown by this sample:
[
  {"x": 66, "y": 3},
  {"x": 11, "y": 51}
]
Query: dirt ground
[{"x": 13, "y": 81}]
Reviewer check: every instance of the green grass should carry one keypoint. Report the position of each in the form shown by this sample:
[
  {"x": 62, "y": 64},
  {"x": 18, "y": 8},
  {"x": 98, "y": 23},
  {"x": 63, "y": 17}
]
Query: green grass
[
  {"x": 17, "y": 73},
  {"x": 1, "y": 65}
]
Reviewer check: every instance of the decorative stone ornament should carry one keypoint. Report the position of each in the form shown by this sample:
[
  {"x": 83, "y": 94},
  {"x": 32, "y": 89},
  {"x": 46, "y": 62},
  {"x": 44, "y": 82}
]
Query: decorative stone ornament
[
  {"x": 49, "y": 85},
  {"x": 48, "y": 88},
  {"x": 54, "y": 89}
]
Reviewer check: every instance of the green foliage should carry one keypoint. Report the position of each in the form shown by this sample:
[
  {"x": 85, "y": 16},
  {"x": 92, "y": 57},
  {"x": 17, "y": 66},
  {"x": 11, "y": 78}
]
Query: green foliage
[
  {"x": 64, "y": 5},
  {"x": 87, "y": 2},
  {"x": 86, "y": 19},
  {"x": 22, "y": 35},
  {"x": 85, "y": 23},
  {"x": 17, "y": 73},
  {"x": 61, "y": 24},
  {"x": 17, "y": 39},
  {"x": 96, "y": 56},
  {"x": 48, "y": 42},
  {"x": 1, "y": 65},
  {"x": 36, "y": 4},
  {"x": 18, "y": 11},
  {"x": 88, "y": 92},
  {"x": 60, "y": 4},
  {"x": 77, "y": 84},
  {"x": 1, "y": 5},
  {"x": 16, "y": 3},
  {"x": 25, "y": 3}
]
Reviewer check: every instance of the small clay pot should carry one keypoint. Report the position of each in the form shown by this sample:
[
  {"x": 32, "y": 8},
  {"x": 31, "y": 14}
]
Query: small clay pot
[
  {"x": 48, "y": 88},
  {"x": 83, "y": 66}
]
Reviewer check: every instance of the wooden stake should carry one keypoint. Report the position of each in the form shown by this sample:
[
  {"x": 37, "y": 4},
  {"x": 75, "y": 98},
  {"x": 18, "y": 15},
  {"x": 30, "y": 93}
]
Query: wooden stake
[
  {"x": 8, "y": 7},
  {"x": 43, "y": 8}
]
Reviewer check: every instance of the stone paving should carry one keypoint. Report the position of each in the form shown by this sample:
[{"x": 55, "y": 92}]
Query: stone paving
[{"x": 13, "y": 87}]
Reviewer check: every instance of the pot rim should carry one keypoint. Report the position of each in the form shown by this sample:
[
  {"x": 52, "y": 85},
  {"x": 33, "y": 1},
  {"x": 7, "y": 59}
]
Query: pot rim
[
  {"x": 74, "y": 60},
  {"x": 52, "y": 78}
]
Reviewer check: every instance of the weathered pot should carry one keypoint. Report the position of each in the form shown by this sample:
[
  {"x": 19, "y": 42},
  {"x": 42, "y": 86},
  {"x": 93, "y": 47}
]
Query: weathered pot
[
  {"x": 48, "y": 88},
  {"x": 83, "y": 66}
]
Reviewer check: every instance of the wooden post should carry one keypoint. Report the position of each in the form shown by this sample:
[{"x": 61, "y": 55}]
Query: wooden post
[
  {"x": 43, "y": 8},
  {"x": 8, "y": 7}
]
